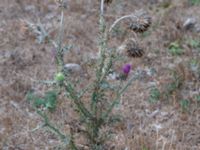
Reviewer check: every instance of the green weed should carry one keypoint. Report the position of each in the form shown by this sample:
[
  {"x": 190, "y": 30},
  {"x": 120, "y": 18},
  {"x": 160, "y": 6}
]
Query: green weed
[
  {"x": 49, "y": 101},
  {"x": 194, "y": 2},
  {"x": 175, "y": 85},
  {"x": 154, "y": 95},
  {"x": 194, "y": 43},
  {"x": 104, "y": 95},
  {"x": 197, "y": 99},
  {"x": 185, "y": 103},
  {"x": 175, "y": 48}
]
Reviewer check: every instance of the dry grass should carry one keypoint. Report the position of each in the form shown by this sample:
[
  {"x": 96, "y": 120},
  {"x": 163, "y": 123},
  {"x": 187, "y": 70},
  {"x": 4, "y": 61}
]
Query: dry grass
[{"x": 145, "y": 126}]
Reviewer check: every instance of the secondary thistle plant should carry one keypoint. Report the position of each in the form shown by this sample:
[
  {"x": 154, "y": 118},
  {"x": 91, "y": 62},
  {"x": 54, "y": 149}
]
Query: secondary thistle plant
[{"x": 97, "y": 113}]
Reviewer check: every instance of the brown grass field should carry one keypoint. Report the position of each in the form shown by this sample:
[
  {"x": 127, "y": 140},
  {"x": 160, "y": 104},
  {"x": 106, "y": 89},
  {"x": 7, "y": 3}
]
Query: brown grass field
[{"x": 166, "y": 124}]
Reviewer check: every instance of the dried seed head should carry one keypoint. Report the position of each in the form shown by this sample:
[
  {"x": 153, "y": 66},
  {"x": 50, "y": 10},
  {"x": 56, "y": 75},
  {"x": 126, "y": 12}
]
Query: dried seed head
[
  {"x": 107, "y": 1},
  {"x": 133, "y": 49},
  {"x": 140, "y": 22}
]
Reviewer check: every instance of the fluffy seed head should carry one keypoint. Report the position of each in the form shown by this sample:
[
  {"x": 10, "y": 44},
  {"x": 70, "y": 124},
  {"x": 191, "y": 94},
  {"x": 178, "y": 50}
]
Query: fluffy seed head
[{"x": 140, "y": 22}]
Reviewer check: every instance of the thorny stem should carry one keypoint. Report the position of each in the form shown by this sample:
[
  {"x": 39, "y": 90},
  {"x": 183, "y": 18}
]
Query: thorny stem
[
  {"x": 59, "y": 48},
  {"x": 96, "y": 122},
  {"x": 83, "y": 91},
  {"x": 61, "y": 30},
  {"x": 102, "y": 46},
  {"x": 107, "y": 67},
  {"x": 119, "y": 93},
  {"x": 69, "y": 88},
  {"x": 57, "y": 131},
  {"x": 52, "y": 128},
  {"x": 102, "y": 50}
]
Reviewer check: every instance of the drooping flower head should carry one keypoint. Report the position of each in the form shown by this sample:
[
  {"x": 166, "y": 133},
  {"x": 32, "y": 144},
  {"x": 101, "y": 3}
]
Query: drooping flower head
[
  {"x": 140, "y": 22},
  {"x": 133, "y": 49}
]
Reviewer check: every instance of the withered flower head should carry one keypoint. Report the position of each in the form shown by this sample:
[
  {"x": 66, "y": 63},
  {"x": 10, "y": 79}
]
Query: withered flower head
[
  {"x": 107, "y": 1},
  {"x": 140, "y": 22},
  {"x": 133, "y": 49}
]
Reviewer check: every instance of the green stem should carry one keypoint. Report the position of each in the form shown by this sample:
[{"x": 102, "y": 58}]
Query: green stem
[
  {"x": 52, "y": 128},
  {"x": 82, "y": 92},
  {"x": 72, "y": 144},
  {"x": 102, "y": 47},
  {"x": 81, "y": 107},
  {"x": 119, "y": 93},
  {"x": 100, "y": 69},
  {"x": 107, "y": 67},
  {"x": 59, "y": 57}
]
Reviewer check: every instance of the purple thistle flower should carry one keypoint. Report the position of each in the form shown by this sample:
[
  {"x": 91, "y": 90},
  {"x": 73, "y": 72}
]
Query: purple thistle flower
[
  {"x": 124, "y": 73},
  {"x": 126, "y": 69}
]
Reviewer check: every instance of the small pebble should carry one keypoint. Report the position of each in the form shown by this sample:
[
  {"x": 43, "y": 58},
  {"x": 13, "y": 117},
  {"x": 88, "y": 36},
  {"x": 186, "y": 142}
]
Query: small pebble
[
  {"x": 189, "y": 23},
  {"x": 73, "y": 68}
]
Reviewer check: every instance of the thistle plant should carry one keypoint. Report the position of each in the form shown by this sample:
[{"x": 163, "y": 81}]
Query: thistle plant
[{"x": 97, "y": 113}]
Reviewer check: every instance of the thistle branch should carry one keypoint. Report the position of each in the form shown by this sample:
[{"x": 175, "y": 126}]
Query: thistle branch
[
  {"x": 102, "y": 8},
  {"x": 119, "y": 93},
  {"x": 120, "y": 19}
]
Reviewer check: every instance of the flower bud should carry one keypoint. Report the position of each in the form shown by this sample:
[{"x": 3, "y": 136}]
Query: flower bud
[{"x": 59, "y": 77}]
